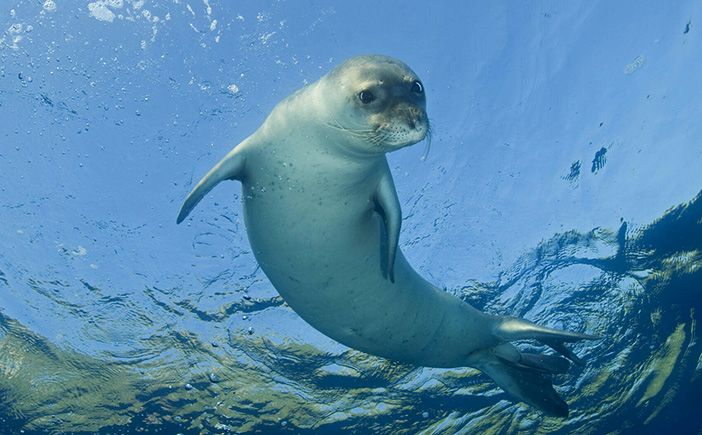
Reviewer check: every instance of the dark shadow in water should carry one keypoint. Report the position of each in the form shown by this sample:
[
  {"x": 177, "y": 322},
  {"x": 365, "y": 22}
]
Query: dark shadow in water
[
  {"x": 599, "y": 160},
  {"x": 574, "y": 173}
]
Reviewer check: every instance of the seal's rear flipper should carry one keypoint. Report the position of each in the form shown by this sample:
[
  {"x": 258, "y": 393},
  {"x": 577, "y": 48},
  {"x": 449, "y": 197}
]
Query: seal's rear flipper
[
  {"x": 526, "y": 377},
  {"x": 512, "y": 328},
  {"x": 231, "y": 167}
]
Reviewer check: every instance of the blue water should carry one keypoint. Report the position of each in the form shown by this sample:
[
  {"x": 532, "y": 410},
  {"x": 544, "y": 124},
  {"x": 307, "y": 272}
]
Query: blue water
[{"x": 562, "y": 185}]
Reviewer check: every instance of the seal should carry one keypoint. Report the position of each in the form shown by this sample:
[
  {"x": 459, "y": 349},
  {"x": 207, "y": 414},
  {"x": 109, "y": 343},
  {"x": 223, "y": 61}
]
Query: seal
[{"x": 323, "y": 219}]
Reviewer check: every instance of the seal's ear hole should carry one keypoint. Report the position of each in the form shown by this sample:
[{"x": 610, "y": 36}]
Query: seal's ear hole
[
  {"x": 366, "y": 97},
  {"x": 417, "y": 87}
]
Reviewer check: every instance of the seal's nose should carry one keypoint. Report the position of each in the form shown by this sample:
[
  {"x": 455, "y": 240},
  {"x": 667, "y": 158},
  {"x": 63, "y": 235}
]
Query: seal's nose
[{"x": 413, "y": 117}]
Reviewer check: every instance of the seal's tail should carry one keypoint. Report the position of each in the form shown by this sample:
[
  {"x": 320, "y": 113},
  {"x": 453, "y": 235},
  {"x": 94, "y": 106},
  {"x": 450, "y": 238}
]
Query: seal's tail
[{"x": 527, "y": 376}]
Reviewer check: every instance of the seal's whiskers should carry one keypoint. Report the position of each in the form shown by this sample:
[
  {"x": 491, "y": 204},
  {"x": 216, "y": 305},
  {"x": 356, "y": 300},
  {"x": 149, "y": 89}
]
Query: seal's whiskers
[{"x": 427, "y": 146}]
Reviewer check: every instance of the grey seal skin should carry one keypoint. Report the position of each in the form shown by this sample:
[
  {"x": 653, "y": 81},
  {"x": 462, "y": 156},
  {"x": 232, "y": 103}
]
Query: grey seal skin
[{"x": 323, "y": 219}]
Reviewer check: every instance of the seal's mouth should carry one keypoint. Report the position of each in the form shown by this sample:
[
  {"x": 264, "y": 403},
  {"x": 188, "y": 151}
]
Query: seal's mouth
[
  {"x": 400, "y": 132},
  {"x": 387, "y": 135}
]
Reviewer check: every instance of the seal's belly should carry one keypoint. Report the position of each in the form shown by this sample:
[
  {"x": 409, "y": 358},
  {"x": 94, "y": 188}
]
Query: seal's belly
[
  {"x": 319, "y": 243},
  {"x": 325, "y": 261},
  {"x": 323, "y": 257},
  {"x": 312, "y": 242}
]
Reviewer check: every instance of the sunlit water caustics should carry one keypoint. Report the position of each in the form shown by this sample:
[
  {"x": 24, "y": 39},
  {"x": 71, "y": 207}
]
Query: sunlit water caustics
[{"x": 562, "y": 186}]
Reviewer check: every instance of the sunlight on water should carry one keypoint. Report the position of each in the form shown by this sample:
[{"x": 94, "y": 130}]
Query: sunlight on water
[{"x": 562, "y": 186}]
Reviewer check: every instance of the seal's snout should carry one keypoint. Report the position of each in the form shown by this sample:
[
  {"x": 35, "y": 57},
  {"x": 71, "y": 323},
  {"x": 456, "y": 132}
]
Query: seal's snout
[{"x": 414, "y": 117}]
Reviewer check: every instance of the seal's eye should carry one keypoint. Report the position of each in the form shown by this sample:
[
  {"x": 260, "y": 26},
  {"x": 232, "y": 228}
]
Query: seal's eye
[
  {"x": 417, "y": 87},
  {"x": 366, "y": 97}
]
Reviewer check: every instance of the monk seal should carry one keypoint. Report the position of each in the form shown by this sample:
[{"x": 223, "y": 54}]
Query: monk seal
[{"x": 323, "y": 219}]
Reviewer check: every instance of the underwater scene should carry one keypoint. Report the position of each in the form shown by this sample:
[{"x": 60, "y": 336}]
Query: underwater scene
[{"x": 560, "y": 182}]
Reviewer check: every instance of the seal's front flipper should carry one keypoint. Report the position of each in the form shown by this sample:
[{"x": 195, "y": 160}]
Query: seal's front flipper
[
  {"x": 231, "y": 167},
  {"x": 388, "y": 206},
  {"x": 524, "y": 376},
  {"x": 513, "y": 328}
]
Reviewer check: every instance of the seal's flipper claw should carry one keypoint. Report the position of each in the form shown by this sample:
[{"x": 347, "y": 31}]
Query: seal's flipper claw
[
  {"x": 231, "y": 167},
  {"x": 388, "y": 205},
  {"x": 552, "y": 364},
  {"x": 561, "y": 348}
]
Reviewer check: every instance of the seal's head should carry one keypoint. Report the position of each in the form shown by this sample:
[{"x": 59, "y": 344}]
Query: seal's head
[{"x": 379, "y": 101}]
